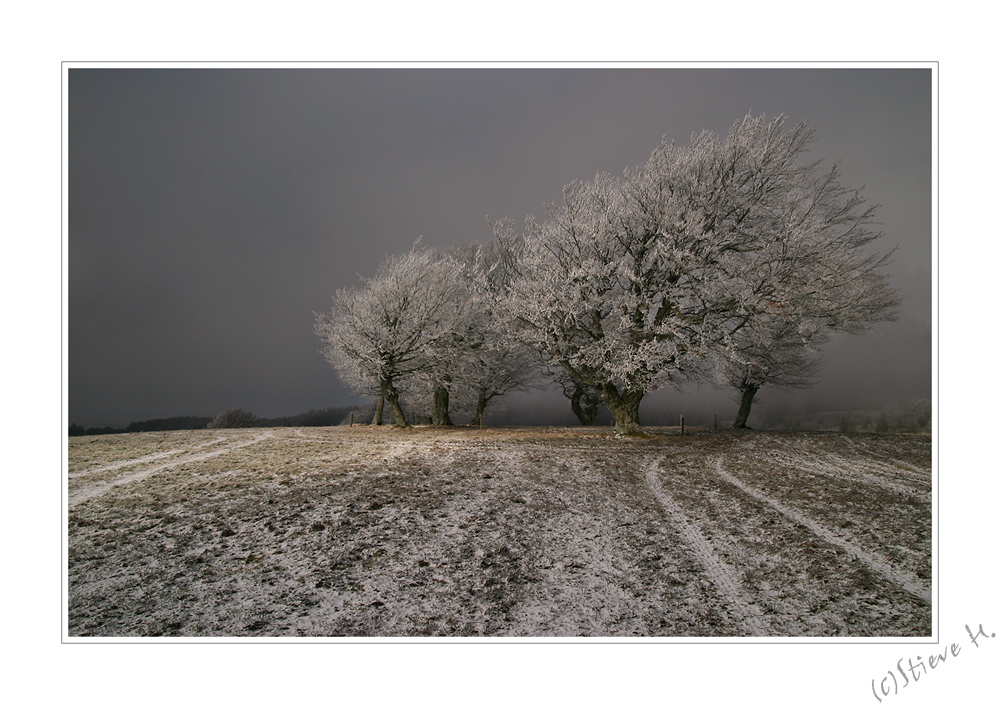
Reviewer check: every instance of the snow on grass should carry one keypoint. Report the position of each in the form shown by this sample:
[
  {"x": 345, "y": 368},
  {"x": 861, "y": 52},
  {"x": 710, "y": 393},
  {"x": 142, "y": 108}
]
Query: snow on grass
[
  {"x": 126, "y": 463},
  {"x": 379, "y": 532},
  {"x": 720, "y": 573},
  {"x": 906, "y": 581},
  {"x": 833, "y": 466},
  {"x": 96, "y": 490}
]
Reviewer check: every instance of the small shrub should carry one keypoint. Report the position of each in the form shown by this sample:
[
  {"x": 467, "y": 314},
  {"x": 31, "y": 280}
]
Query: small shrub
[{"x": 234, "y": 418}]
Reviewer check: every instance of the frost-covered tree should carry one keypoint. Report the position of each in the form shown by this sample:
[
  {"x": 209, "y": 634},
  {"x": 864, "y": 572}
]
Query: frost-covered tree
[
  {"x": 456, "y": 334},
  {"x": 776, "y": 358},
  {"x": 782, "y": 349},
  {"x": 814, "y": 274},
  {"x": 380, "y": 336},
  {"x": 612, "y": 300},
  {"x": 497, "y": 367},
  {"x": 633, "y": 282},
  {"x": 492, "y": 363}
]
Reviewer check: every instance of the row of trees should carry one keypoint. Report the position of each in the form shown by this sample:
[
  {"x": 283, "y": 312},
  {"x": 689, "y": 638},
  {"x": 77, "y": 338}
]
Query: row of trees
[
  {"x": 429, "y": 326},
  {"x": 731, "y": 259}
]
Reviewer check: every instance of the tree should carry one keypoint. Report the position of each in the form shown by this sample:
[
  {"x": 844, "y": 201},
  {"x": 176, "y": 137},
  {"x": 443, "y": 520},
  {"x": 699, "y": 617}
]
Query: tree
[
  {"x": 777, "y": 357},
  {"x": 585, "y": 401},
  {"x": 610, "y": 297},
  {"x": 781, "y": 349},
  {"x": 457, "y": 339},
  {"x": 492, "y": 363},
  {"x": 633, "y": 282},
  {"x": 814, "y": 274},
  {"x": 378, "y": 337},
  {"x": 495, "y": 369}
]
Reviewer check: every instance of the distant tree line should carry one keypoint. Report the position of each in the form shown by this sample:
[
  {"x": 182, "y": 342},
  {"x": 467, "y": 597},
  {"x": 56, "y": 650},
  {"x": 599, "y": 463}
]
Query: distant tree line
[
  {"x": 730, "y": 261},
  {"x": 914, "y": 417},
  {"x": 173, "y": 423},
  {"x": 239, "y": 418},
  {"x": 897, "y": 418},
  {"x": 230, "y": 418},
  {"x": 314, "y": 417},
  {"x": 78, "y": 430}
]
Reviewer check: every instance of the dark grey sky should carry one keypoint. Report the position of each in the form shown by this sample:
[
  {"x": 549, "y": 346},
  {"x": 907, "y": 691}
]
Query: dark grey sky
[{"x": 212, "y": 211}]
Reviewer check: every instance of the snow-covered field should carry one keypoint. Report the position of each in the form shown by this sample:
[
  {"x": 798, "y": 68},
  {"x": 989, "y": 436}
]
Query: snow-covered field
[{"x": 532, "y": 532}]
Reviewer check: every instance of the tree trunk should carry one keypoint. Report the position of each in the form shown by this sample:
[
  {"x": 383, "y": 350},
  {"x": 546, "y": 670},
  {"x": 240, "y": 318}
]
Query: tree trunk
[
  {"x": 745, "y": 403},
  {"x": 440, "y": 413},
  {"x": 584, "y": 405},
  {"x": 377, "y": 420},
  {"x": 392, "y": 396},
  {"x": 477, "y": 415},
  {"x": 624, "y": 408}
]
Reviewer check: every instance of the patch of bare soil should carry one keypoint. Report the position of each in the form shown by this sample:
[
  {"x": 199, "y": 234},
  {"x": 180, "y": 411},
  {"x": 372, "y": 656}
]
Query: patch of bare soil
[{"x": 377, "y": 532}]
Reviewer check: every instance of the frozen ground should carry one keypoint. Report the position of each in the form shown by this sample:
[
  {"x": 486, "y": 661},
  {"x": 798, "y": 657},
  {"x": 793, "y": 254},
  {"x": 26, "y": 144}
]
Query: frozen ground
[{"x": 377, "y": 532}]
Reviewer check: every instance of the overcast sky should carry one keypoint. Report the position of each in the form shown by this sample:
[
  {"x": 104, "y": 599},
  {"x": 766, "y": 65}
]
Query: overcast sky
[{"x": 213, "y": 211}]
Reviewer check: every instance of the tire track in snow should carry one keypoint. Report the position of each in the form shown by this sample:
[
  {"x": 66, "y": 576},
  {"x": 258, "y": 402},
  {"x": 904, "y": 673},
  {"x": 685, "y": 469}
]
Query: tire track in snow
[
  {"x": 721, "y": 574},
  {"x": 904, "y": 580},
  {"x": 887, "y": 461},
  {"x": 884, "y": 465},
  {"x": 125, "y": 463},
  {"x": 138, "y": 461},
  {"x": 841, "y": 468},
  {"x": 100, "y": 489}
]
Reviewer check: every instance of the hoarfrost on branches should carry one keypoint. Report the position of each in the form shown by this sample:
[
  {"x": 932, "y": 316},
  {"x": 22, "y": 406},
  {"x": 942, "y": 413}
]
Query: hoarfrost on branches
[
  {"x": 734, "y": 253},
  {"x": 493, "y": 363},
  {"x": 813, "y": 275},
  {"x": 422, "y": 328},
  {"x": 380, "y": 336},
  {"x": 641, "y": 280}
]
